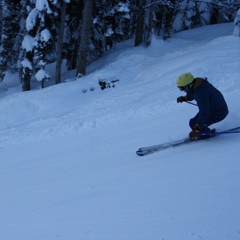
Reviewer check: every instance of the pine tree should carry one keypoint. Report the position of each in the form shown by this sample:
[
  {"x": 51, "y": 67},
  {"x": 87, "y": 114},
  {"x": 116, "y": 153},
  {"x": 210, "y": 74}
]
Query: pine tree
[
  {"x": 10, "y": 38},
  {"x": 27, "y": 46},
  {"x": 30, "y": 29},
  {"x": 42, "y": 36},
  {"x": 72, "y": 32},
  {"x": 164, "y": 17},
  {"x": 45, "y": 39},
  {"x": 111, "y": 24}
]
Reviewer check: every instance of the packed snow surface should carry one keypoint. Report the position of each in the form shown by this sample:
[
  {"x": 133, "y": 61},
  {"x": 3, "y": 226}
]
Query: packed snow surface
[{"x": 68, "y": 164}]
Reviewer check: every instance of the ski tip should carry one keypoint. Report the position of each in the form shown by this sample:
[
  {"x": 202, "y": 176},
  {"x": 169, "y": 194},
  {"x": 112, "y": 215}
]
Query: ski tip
[{"x": 139, "y": 153}]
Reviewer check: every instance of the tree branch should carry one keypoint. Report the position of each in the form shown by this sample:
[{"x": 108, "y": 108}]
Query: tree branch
[{"x": 234, "y": 5}]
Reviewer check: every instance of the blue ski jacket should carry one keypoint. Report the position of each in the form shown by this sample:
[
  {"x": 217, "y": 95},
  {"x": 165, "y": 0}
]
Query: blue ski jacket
[{"x": 210, "y": 101}]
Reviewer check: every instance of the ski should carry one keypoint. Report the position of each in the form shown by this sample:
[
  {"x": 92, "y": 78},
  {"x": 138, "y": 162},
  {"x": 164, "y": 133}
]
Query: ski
[{"x": 156, "y": 148}]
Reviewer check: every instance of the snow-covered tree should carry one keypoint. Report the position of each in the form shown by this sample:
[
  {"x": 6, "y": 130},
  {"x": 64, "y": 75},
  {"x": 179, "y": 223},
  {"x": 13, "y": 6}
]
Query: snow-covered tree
[
  {"x": 10, "y": 37},
  {"x": 164, "y": 17},
  {"x": 120, "y": 22},
  {"x": 41, "y": 36},
  {"x": 188, "y": 15},
  {"x": 111, "y": 24},
  {"x": 72, "y": 32},
  {"x": 237, "y": 24},
  {"x": 46, "y": 37},
  {"x": 27, "y": 48},
  {"x": 5, "y": 37}
]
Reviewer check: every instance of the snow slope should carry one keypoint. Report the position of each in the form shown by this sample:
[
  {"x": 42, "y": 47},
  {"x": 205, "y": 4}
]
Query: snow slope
[{"x": 68, "y": 164}]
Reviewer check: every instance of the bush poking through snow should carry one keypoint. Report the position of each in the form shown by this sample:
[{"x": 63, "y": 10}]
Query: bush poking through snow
[{"x": 107, "y": 83}]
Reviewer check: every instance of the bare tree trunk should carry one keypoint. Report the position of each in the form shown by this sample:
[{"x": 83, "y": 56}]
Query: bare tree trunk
[
  {"x": 26, "y": 79},
  {"x": 84, "y": 37},
  {"x": 27, "y": 72},
  {"x": 149, "y": 23},
  {"x": 60, "y": 44},
  {"x": 140, "y": 23}
]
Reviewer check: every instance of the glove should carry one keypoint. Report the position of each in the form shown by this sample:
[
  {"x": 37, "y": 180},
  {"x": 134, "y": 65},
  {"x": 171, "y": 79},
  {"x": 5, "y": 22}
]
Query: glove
[{"x": 181, "y": 99}]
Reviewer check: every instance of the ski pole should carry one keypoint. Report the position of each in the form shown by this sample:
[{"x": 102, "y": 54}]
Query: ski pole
[{"x": 191, "y": 103}]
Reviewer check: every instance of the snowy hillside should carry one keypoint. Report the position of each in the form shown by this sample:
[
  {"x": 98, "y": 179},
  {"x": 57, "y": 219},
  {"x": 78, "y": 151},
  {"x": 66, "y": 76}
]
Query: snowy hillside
[{"x": 68, "y": 164}]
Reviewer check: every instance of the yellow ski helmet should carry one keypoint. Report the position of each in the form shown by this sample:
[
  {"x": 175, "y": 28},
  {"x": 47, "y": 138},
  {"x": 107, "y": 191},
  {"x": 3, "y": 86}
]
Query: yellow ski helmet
[{"x": 185, "y": 79}]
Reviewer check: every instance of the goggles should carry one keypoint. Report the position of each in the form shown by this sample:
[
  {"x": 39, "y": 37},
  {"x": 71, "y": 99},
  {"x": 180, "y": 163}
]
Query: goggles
[
  {"x": 181, "y": 88},
  {"x": 185, "y": 88}
]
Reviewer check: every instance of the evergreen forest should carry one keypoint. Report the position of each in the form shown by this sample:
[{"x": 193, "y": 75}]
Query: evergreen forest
[{"x": 35, "y": 33}]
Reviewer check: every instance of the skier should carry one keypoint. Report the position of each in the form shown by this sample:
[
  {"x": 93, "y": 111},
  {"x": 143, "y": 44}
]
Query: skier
[{"x": 211, "y": 104}]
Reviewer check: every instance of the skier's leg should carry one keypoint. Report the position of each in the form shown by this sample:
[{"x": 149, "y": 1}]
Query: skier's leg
[{"x": 193, "y": 121}]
